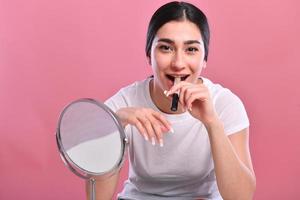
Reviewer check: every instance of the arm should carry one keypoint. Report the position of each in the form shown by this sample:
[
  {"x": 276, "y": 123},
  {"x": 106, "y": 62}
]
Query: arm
[
  {"x": 105, "y": 189},
  {"x": 232, "y": 161},
  {"x": 231, "y": 156}
]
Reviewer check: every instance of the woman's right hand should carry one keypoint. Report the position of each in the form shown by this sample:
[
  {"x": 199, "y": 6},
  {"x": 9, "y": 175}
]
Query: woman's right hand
[{"x": 151, "y": 124}]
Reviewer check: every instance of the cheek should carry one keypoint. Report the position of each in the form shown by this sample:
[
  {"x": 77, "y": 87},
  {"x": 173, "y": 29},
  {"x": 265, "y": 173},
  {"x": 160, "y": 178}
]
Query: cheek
[
  {"x": 160, "y": 61},
  {"x": 199, "y": 62},
  {"x": 196, "y": 65}
]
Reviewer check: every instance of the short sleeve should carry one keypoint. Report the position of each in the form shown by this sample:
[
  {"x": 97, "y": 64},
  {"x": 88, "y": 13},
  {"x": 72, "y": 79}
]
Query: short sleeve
[
  {"x": 117, "y": 101},
  {"x": 231, "y": 111}
]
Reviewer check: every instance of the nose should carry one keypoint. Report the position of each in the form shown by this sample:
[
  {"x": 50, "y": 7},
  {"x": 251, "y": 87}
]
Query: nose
[{"x": 178, "y": 62}]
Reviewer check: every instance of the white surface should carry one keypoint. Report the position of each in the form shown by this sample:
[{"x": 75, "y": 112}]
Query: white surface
[{"x": 97, "y": 155}]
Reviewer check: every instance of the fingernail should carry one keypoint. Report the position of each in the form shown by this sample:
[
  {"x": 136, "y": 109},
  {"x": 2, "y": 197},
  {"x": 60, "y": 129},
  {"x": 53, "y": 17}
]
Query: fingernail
[
  {"x": 161, "y": 143},
  {"x": 153, "y": 141},
  {"x": 165, "y": 92},
  {"x": 168, "y": 93},
  {"x": 190, "y": 108},
  {"x": 171, "y": 130},
  {"x": 146, "y": 137}
]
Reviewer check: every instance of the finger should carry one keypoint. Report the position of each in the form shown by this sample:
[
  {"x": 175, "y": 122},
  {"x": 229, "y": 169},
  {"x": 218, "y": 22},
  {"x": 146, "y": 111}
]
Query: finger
[
  {"x": 163, "y": 121},
  {"x": 183, "y": 92},
  {"x": 141, "y": 129},
  {"x": 156, "y": 125},
  {"x": 188, "y": 95},
  {"x": 181, "y": 95},
  {"x": 196, "y": 96},
  {"x": 176, "y": 88},
  {"x": 149, "y": 129}
]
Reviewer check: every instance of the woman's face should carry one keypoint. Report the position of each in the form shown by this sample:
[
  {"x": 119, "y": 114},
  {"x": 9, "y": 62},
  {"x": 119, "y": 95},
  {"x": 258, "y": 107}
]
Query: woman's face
[{"x": 177, "y": 51}]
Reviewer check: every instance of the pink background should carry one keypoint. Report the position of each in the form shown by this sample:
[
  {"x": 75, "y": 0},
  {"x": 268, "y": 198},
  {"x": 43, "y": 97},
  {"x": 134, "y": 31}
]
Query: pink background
[{"x": 53, "y": 52}]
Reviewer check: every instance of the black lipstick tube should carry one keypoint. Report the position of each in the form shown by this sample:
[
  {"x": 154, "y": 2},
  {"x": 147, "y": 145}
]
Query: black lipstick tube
[
  {"x": 175, "y": 97},
  {"x": 175, "y": 100}
]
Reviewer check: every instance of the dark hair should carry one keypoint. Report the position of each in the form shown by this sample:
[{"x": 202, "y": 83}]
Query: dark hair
[{"x": 177, "y": 11}]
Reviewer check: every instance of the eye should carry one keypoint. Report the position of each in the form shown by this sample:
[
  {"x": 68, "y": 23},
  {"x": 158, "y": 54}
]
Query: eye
[
  {"x": 192, "y": 49},
  {"x": 165, "y": 48}
]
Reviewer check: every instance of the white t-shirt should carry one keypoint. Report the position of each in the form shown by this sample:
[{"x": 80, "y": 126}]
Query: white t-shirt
[{"x": 183, "y": 168}]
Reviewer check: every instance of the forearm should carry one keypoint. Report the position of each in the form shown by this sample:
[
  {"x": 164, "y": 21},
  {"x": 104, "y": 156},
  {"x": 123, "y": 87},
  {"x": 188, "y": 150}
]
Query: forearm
[{"x": 235, "y": 180}]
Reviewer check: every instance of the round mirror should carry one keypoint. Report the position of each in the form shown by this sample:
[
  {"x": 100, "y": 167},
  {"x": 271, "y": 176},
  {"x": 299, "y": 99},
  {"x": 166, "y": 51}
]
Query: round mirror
[{"x": 90, "y": 139}]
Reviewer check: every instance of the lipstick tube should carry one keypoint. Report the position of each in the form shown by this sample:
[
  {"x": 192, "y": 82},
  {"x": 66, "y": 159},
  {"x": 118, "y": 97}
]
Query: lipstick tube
[{"x": 175, "y": 97}]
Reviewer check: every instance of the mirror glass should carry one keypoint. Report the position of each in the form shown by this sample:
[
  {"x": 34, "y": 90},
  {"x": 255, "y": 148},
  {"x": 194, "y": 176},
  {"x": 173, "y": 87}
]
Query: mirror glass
[{"x": 90, "y": 137}]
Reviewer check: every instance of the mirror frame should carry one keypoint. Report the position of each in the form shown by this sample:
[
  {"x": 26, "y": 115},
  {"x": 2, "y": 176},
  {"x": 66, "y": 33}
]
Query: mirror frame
[{"x": 73, "y": 166}]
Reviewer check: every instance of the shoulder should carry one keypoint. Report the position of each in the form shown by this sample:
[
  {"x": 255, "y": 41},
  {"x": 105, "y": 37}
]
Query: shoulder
[
  {"x": 229, "y": 107},
  {"x": 220, "y": 94},
  {"x": 127, "y": 95},
  {"x": 134, "y": 87}
]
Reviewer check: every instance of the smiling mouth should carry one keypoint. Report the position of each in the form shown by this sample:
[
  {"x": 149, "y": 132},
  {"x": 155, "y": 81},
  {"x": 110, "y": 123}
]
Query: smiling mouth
[{"x": 172, "y": 78}]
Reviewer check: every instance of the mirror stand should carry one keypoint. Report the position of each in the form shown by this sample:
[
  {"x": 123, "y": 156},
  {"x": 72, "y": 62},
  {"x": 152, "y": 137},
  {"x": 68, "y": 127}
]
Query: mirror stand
[{"x": 92, "y": 189}]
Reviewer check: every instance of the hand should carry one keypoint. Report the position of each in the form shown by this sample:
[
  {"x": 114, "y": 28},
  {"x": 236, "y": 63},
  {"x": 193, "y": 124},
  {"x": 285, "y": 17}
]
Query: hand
[
  {"x": 196, "y": 99},
  {"x": 151, "y": 124}
]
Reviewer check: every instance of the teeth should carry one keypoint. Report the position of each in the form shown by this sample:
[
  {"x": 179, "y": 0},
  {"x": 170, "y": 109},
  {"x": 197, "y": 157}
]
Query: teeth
[{"x": 171, "y": 77}]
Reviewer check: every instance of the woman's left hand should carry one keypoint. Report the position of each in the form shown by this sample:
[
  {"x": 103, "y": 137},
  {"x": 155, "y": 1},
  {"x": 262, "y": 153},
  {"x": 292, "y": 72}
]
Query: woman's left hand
[{"x": 195, "y": 97}]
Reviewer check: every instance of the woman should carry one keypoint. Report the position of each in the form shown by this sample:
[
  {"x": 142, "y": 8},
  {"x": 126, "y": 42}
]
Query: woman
[{"x": 199, "y": 151}]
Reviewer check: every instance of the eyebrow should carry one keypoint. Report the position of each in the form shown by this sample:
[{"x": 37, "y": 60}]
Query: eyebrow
[{"x": 172, "y": 41}]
